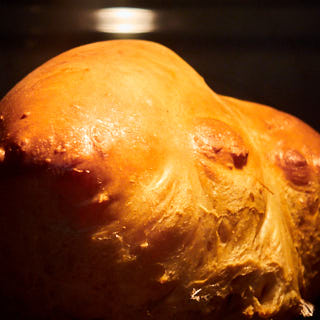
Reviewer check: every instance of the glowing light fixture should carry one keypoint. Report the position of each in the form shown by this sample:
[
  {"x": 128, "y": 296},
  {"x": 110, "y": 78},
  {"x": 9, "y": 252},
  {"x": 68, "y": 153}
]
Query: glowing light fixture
[{"x": 124, "y": 20}]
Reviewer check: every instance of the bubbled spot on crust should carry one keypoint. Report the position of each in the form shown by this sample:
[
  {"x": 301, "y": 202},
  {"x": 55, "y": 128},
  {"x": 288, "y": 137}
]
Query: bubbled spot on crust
[
  {"x": 219, "y": 142},
  {"x": 25, "y": 115},
  {"x": 295, "y": 167}
]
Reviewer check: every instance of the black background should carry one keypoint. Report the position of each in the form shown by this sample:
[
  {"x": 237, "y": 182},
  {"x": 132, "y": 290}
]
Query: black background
[{"x": 263, "y": 51}]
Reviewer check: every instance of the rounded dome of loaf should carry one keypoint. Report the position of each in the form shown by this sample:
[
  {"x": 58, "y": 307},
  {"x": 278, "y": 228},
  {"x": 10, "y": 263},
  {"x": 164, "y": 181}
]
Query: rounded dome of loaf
[{"x": 130, "y": 189}]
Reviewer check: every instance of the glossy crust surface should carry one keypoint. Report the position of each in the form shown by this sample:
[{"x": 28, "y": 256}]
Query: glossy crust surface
[{"x": 130, "y": 190}]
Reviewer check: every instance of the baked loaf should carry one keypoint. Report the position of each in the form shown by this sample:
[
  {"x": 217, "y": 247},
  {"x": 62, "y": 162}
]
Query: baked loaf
[{"x": 130, "y": 190}]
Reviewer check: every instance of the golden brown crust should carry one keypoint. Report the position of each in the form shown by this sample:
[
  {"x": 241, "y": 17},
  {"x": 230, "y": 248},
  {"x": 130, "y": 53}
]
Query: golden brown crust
[{"x": 130, "y": 189}]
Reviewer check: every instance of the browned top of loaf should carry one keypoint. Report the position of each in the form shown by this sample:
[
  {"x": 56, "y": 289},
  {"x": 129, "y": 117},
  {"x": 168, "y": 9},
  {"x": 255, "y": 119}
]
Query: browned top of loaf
[{"x": 209, "y": 187}]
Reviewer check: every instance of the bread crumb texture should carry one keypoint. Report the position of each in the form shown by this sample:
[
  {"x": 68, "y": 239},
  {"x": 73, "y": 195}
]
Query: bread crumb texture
[{"x": 130, "y": 190}]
